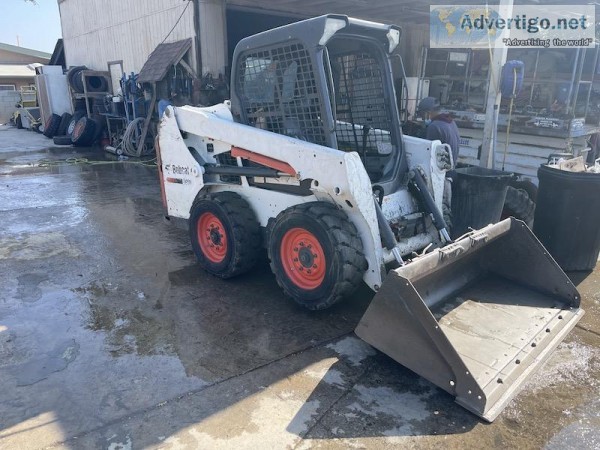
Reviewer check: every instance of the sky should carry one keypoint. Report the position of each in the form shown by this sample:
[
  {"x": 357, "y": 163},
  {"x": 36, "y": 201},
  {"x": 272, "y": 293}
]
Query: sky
[{"x": 38, "y": 26}]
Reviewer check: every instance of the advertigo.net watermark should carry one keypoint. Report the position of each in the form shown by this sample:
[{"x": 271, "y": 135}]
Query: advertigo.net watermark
[
  {"x": 547, "y": 43},
  {"x": 484, "y": 26}
]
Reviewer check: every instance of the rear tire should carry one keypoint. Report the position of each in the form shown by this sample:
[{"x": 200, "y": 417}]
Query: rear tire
[
  {"x": 225, "y": 234},
  {"x": 316, "y": 254},
  {"x": 519, "y": 205}
]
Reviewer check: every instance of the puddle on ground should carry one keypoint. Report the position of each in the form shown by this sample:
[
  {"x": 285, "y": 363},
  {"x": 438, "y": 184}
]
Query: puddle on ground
[
  {"x": 39, "y": 368},
  {"x": 29, "y": 286},
  {"x": 37, "y": 246},
  {"x": 129, "y": 328}
]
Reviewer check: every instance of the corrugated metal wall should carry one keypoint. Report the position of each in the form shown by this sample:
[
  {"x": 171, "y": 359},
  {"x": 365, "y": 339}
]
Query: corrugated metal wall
[{"x": 98, "y": 31}]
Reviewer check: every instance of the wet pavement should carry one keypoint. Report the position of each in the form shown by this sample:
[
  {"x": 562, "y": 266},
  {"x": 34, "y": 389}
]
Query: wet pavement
[{"x": 112, "y": 337}]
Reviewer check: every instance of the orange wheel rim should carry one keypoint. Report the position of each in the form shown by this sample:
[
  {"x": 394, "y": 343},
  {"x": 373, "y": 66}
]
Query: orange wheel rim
[
  {"x": 212, "y": 237},
  {"x": 303, "y": 258}
]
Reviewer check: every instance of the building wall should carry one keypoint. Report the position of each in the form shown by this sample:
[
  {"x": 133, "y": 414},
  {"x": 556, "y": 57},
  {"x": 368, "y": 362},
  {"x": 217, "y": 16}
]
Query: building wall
[
  {"x": 18, "y": 82},
  {"x": 7, "y": 57},
  {"x": 98, "y": 31}
]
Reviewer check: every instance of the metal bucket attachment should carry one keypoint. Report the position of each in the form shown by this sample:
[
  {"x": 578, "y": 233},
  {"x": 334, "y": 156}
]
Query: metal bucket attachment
[{"x": 477, "y": 317}]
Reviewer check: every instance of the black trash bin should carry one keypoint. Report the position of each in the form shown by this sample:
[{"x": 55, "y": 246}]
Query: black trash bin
[
  {"x": 478, "y": 196},
  {"x": 567, "y": 217}
]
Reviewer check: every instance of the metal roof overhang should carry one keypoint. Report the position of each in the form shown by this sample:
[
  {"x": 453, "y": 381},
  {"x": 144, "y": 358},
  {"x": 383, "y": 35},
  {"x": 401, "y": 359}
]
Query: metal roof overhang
[{"x": 387, "y": 11}]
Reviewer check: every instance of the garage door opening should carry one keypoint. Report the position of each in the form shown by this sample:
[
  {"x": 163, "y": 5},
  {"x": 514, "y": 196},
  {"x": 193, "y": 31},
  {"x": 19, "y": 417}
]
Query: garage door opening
[{"x": 243, "y": 23}]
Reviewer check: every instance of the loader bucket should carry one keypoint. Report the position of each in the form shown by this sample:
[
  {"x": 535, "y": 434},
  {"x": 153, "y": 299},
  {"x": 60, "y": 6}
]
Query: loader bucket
[{"x": 477, "y": 317}]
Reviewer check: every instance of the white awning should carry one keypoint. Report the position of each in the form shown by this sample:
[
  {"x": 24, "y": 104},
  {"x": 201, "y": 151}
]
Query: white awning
[{"x": 16, "y": 71}]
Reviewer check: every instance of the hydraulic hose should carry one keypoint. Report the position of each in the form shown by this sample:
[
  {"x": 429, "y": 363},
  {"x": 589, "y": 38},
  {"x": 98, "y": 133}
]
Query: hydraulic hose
[
  {"x": 430, "y": 206},
  {"x": 387, "y": 235}
]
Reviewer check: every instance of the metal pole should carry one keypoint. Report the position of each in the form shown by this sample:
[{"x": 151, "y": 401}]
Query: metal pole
[
  {"x": 497, "y": 60},
  {"x": 534, "y": 77},
  {"x": 591, "y": 85},
  {"x": 575, "y": 86},
  {"x": 573, "y": 76}
]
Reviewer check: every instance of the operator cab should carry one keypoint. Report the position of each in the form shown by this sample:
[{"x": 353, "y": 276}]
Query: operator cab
[{"x": 328, "y": 81}]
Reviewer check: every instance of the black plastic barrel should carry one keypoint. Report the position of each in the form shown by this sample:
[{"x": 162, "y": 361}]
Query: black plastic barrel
[
  {"x": 567, "y": 217},
  {"x": 478, "y": 196}
]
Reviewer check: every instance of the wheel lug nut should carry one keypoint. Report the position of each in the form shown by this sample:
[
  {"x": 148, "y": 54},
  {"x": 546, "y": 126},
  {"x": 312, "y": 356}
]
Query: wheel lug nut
[
  {"x": 314, "y": 255},
  {"x": 295, "y": 259},
  {"x": 314, "y": 266},
  {"x": 308, "y": 271},
  {"x": 301, "y": 244},
  {"x": 301, "y": 268}
]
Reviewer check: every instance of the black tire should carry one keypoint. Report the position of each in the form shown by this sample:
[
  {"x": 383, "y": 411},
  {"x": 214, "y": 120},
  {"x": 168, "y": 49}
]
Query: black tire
[
  {"x": 100, "y": 125},
  {"x": 83, "y": 133},
  {"x": 321, "y": 228},
  {"x": 79, "y": 105},
  {"x": 64, "y": 123},
  {"x": 51, "y": 126},
  {"x": 78, "y": 83},
  {"x": 527, "y": 186},
  {"x": 232, "y": 241},
  {"x": 519, "y": 205},
  {"x": 96, "y": 84},
  {"x": 74, "y": 119},
  {"x": 19, "y": 122},
  {"x": 62, "y": 140},
  {"x": 74, "y": 78},
  {"x": 72, "y": 71}
]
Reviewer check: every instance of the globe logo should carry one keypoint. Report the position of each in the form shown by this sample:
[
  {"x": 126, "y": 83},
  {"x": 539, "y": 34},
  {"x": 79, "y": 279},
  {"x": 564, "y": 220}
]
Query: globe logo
[{"x": 463, "y": 26}]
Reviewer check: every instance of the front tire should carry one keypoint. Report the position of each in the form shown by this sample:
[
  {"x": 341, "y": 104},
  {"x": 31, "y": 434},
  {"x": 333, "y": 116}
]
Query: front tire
[
  {"x": 225, "y": 234},
  {"x": 316, "y": 254}
]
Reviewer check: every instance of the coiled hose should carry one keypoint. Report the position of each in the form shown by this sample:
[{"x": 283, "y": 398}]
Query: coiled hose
[{"x": 129, "y": 142}]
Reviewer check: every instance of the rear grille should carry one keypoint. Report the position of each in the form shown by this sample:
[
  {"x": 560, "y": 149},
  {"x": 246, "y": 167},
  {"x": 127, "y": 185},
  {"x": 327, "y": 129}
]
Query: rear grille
[{"x": 278, "y": 92}]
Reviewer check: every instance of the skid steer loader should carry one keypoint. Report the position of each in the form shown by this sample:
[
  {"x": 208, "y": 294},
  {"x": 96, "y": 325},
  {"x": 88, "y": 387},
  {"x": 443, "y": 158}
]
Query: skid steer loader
[{"x": 308, "y": 161}]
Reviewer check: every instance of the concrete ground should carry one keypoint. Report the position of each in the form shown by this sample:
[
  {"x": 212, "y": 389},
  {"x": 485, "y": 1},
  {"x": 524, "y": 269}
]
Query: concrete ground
[{"x": 112, "y": 337}]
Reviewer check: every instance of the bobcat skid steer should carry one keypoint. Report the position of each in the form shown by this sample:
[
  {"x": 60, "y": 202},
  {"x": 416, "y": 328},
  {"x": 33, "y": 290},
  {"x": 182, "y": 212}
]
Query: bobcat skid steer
[{"x": 308, "y": 161}]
